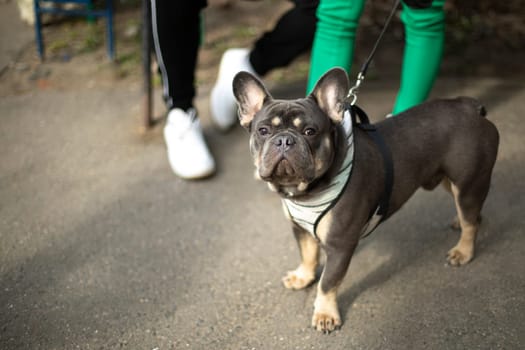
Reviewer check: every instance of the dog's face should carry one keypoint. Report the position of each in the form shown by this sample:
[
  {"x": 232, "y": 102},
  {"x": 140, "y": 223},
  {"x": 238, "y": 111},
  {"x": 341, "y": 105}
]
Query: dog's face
[{"x": 292, "y": 142}]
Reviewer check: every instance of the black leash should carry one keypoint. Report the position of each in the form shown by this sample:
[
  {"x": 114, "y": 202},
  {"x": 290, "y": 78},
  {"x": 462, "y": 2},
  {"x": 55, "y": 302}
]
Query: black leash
[
  {"x": 364, "y": 124},
  {"x": 352, "y": 93}
]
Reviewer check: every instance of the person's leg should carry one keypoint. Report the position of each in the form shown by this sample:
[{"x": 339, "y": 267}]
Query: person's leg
[
  {"x": 333, "y": 45},
  {"x": 425, "y": 37},
  {"x": 292, "y": 35},
  {"x": 176, "y": 36}
]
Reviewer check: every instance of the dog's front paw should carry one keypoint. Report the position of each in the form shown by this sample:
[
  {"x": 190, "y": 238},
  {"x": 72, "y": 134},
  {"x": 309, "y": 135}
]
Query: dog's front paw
[
  {"x": 326, "y": 314},
  {"x": 326, "y": 322},
  {"x": 299, "y": 278},
  {"x": 459, "y": 255}
]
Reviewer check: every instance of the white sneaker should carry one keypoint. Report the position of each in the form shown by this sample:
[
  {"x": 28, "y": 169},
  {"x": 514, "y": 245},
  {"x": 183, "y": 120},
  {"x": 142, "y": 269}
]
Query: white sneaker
[
  {"x": 188, "y": 153},
  {"x": 223, "y": 107}
]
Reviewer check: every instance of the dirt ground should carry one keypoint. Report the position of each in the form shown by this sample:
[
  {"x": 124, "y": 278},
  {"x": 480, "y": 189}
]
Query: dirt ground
[{"x": 76, "y": 52}]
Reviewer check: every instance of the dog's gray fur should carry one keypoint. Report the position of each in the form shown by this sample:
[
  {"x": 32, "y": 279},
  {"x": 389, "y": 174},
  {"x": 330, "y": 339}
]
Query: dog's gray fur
[{"x": 296, "y": 146}]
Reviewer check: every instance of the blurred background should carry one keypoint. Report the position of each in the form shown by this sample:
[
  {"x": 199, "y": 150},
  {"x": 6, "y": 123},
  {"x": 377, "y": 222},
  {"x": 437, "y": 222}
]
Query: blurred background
[{"x": 483, "y": 38}]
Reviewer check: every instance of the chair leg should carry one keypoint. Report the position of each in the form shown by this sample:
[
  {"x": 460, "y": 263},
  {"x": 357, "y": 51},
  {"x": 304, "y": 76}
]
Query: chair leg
[
  {"x": 38, "y": 30},
  {"x": 89, "y": 13},
  {"x": 109, "y": 19},
  {"x": 146, "y": 62}
]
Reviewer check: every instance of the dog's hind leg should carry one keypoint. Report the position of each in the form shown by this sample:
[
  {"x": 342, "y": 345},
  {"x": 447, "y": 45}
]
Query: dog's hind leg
[
  {"x": 447, "y": 185},
  {"x": 469, "y": 201}
]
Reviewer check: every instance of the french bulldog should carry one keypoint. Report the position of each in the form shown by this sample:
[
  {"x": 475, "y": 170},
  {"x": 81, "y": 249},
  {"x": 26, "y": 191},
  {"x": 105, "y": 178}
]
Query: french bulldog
[{"x": 304, "y": 148}]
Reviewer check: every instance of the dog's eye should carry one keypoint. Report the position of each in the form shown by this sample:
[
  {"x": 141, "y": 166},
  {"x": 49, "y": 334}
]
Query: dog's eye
[
  {"x": 309, "y": 131},
  {"x": 263, "y": 131}
]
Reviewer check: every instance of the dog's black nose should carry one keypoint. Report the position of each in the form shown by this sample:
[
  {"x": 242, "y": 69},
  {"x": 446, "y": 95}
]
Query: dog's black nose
[{"x": 284, "y": 142}]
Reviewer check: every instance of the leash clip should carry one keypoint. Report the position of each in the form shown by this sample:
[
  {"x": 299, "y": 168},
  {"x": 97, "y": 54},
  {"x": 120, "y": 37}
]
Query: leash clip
[{"x": 352, "y": 93}]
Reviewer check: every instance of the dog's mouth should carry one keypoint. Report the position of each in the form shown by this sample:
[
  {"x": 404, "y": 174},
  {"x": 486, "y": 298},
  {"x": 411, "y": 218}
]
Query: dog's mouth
[
  {"x": 285, "y": 176},
  {"x": 284, "y": 169},
  {"x": 288, "y": 169},
  {"x": 275, "y": 169}
]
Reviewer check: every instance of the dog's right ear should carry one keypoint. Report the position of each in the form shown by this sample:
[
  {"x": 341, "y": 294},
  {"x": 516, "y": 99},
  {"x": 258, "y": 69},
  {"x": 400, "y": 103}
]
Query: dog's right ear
[
  {"x": 330, "y": 93},
  {"x": 251, "y": 95}
]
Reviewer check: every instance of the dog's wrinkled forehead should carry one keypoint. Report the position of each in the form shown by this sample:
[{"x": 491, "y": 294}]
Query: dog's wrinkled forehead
[{"x": 290, "y": 114}]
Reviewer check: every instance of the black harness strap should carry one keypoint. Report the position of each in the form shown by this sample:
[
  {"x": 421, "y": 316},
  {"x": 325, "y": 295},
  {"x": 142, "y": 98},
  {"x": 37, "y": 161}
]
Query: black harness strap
[{"x": 371, "y": 130}]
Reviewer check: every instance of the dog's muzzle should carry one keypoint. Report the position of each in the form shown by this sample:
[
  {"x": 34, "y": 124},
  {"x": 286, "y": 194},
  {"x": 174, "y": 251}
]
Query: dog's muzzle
[{"x": 284, "y": 141}]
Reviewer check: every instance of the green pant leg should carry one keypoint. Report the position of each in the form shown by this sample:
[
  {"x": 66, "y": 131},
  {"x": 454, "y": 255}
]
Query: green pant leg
[
  {"x": 425, "y": 37},
  {"x": 333, "y": 45}
]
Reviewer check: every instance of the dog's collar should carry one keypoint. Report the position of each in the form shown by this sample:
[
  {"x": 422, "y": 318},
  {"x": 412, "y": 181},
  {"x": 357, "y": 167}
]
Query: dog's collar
[{"x": 308, "y": 212}]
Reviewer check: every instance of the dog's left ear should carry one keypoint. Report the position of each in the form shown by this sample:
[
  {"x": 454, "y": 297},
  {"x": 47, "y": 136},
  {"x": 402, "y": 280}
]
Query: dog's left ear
[
  {"x": 330, "y": 93},
  {"x": 250, "y": 94}
]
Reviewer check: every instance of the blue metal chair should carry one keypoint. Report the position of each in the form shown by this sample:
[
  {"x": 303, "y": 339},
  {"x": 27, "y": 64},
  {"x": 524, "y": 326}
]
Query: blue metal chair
[{"x": 85, "y": 10}]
